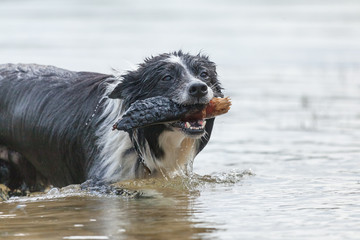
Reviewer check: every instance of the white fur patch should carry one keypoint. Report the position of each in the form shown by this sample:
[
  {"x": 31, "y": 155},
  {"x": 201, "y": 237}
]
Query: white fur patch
[
  {"x": 113, "y": 144},
  {"x": 184, "y": 97},
  {"x": 178, "y": 60},
  {"x": 179, "y": 151}
]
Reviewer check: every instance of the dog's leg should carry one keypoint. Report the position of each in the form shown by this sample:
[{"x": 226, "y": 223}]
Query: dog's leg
[
  {"x": 4, "y": 172},
  {"x": 19, "y": 174},
  {"x": 10, "y": 178},
  {"x": 4, "y": 166},
  {"x": 4, "y": 153},
  {"x": 9, "y": 175}
]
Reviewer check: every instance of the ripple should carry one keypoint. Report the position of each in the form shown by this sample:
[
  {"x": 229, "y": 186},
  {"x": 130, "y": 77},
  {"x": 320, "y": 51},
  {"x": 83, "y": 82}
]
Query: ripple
[{"x": 232, "y": 177}]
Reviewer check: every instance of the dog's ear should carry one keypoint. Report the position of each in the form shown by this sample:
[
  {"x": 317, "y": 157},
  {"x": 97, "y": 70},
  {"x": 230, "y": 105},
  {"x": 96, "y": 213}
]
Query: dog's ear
[
  {"x": 129, "y": 86},
  {"x": 117, "y": 92}
]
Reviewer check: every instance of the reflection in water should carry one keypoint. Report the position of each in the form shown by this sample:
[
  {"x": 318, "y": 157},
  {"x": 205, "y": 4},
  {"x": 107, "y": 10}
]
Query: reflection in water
[
  {"x": 162, "y": 218},
  {"x": 156, "y": 218},
  {"x": 165, "y": 210}
]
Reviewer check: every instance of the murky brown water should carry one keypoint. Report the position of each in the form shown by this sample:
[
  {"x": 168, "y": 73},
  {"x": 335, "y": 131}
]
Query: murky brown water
[
  {"x": 162, "y": 210},
  {"x": 292, "y": 69}
]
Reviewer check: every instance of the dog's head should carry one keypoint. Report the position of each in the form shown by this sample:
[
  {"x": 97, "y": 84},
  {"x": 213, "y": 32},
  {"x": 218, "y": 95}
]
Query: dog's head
[{"x": 186, "y": 79}]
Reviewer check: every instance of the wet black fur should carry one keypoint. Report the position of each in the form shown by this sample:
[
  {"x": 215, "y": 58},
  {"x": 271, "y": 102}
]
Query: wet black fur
[{"x": 43, "y": 111}]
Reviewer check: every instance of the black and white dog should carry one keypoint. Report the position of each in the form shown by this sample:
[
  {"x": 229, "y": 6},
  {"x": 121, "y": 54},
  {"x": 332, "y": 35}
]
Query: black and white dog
[{"x": 56, "y": 125}]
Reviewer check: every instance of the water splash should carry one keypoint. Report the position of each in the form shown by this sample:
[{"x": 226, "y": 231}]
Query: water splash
[
  {"x": 144, "y": 188},
  {"x": 232, "y": 177}
]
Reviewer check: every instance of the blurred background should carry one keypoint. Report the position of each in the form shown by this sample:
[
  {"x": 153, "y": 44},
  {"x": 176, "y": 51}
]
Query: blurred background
[
  {"x": 292, "y": 68},
  {"x": 97, "y": 35}
]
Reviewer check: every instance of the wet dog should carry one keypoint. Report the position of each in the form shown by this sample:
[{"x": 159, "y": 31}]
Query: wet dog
[{"x": 56, "y": 125}]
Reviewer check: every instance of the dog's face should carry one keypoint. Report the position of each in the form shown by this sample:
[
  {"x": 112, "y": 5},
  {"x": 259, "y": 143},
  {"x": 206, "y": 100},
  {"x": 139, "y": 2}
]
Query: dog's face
[{"x": 183, "y": 78}]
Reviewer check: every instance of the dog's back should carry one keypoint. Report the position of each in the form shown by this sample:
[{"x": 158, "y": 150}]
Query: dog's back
[{"x": 42, "y": 117}]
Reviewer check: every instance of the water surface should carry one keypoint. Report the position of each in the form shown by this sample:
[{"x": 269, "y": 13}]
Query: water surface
[{"x": 282, "y": 164}]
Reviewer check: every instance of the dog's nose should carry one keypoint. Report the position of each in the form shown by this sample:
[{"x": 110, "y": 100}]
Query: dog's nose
[{"x": 198, "y": 90}]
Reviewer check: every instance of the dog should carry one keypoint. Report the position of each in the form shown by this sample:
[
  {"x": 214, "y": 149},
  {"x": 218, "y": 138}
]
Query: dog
[{"x": 56, "y": 125}]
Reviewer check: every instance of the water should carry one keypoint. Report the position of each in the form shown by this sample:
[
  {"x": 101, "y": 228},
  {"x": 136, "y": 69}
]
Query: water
[{"x": 282, "y": 164}]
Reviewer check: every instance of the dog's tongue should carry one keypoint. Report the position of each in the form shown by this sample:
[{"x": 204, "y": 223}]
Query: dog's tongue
[{"x": 195, "y": 123}]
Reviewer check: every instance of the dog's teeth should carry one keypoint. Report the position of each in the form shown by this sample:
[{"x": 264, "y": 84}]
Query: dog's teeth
[{"x": 202, "y": 123}]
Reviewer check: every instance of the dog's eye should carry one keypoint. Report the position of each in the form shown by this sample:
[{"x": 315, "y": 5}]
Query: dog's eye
[
  {"x": 167, "y": 78},
  {"x": 204, "y": 74}
]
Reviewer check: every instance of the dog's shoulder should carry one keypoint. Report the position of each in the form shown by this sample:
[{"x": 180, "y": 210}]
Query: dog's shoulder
[
  {"x": 33, "y": 71},
  {"x": 45, "y": 72}
]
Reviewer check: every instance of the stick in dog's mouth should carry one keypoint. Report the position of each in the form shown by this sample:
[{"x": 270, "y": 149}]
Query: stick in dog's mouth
[
  {"x": 156, "y": 110},
  {"x": 195, "y": 122}
]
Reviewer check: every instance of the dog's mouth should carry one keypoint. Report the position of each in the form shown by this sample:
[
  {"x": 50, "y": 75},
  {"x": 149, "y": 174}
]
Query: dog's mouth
[
  {"x": 190, "y": 119},
  {"x": 191, "y": 127}
]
